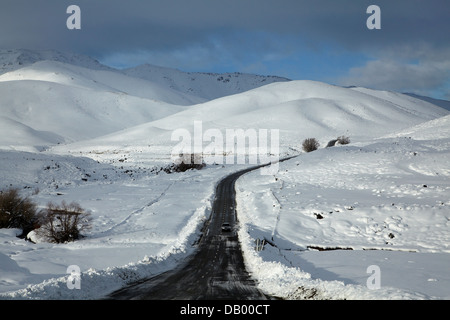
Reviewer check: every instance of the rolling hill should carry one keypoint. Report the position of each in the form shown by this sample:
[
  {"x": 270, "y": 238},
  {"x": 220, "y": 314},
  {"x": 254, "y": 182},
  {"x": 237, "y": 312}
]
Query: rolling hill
[
  {"x": 74, "y": 97},
  {"x": 297, "y": 109}
]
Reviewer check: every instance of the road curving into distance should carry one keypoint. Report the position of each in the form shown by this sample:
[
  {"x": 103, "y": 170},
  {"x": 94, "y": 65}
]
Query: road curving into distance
[{"x": 215, "y": 271}]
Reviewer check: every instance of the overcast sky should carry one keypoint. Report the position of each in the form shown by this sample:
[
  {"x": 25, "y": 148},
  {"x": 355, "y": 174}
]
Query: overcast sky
[{"x": 325, "y": 40}]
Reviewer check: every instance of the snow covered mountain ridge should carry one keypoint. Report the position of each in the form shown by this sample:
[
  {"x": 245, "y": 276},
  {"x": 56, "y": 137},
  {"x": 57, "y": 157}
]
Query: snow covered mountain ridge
[
  {"x": 45, "y": 93},
  {"x": 13, "y": 59},
  {"x": 204, "y": 85}
]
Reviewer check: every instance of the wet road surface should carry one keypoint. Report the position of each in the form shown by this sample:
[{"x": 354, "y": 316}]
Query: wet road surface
[{"x": 215, "y": 271}]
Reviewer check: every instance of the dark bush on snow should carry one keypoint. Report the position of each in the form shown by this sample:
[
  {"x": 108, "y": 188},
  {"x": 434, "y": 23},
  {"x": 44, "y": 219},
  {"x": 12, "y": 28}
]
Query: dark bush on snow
[
  {"x": 17, "y": 212},
  {"x": 186, "y": 162},
  {"x": 310, "y": 144},
  {"x": 63, "y": 223},
  {"x": 343, "y": 140},
  {"x": 340, "y": 140}
]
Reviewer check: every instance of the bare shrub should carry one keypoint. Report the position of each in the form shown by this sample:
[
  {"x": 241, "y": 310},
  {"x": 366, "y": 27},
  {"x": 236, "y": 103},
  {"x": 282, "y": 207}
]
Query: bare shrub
[
  {"x": 339, "y": 141},
  {"x": 343, "y": 140},
  {"x": 310, "y": 144},
  {"x": 64, "y": 223},
  {"x": 17, "y": 212},
  {"x": 186, "y": 162}
]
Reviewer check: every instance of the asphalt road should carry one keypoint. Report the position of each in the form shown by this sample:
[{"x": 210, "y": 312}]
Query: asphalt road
[{"x": 215, "y": 271}]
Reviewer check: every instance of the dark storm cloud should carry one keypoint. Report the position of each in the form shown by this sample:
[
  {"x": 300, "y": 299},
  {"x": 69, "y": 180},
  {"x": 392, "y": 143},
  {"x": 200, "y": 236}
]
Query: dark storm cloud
[
  {"x": 285, "y": 37},
  {"x": 152, "y": 25}
]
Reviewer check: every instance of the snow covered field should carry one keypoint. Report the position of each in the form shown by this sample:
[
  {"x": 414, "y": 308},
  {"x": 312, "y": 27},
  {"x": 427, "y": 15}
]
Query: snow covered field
[
  {"x": 73, "y": 131},
  {"x": 143, "y": 224},
  {"x": 384, "y": 203}
]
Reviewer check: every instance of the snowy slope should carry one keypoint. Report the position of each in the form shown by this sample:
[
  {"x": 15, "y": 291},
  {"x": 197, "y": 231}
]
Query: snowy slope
[
  {"x": 16, "y": 135},
  {"x": 438, "y": 102},
  {"x": 298, "y": 109},
  {"x": 73, "y": 113},
  {"x": 98, "y": 80},
  {"x": 49, "y": 91},
  {"x": 205, "y": 85},
  {"x": 290, "y": 105},
  {"x": 438, "y": 128},
  {"x": 383, "y": 203},
  {"x": 78, "y": 103}
]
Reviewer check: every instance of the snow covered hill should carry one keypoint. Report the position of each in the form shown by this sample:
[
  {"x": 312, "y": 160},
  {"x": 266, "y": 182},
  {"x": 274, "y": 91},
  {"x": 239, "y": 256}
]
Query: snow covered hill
[
  {"x": 77, "y": 103},
  {"x": 73, "y": 113},
  {"x": 98, "y": 80},
  {"x": 20, "y": 136},
  {"x": 438, "y": 102},
  {"x": 50, "y": 91},
  {"x": 298, "y": 109},
  {"x": 205, "y": 85},
  {"x": 383, "y": 203}
]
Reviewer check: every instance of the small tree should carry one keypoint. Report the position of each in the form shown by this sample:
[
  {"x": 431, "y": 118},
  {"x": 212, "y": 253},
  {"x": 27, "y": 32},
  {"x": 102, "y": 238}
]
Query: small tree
[
  {"x": 17, "y": 212},
  {"x": 310, "y": 144},
  {"x": 64, "y": 223}
]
